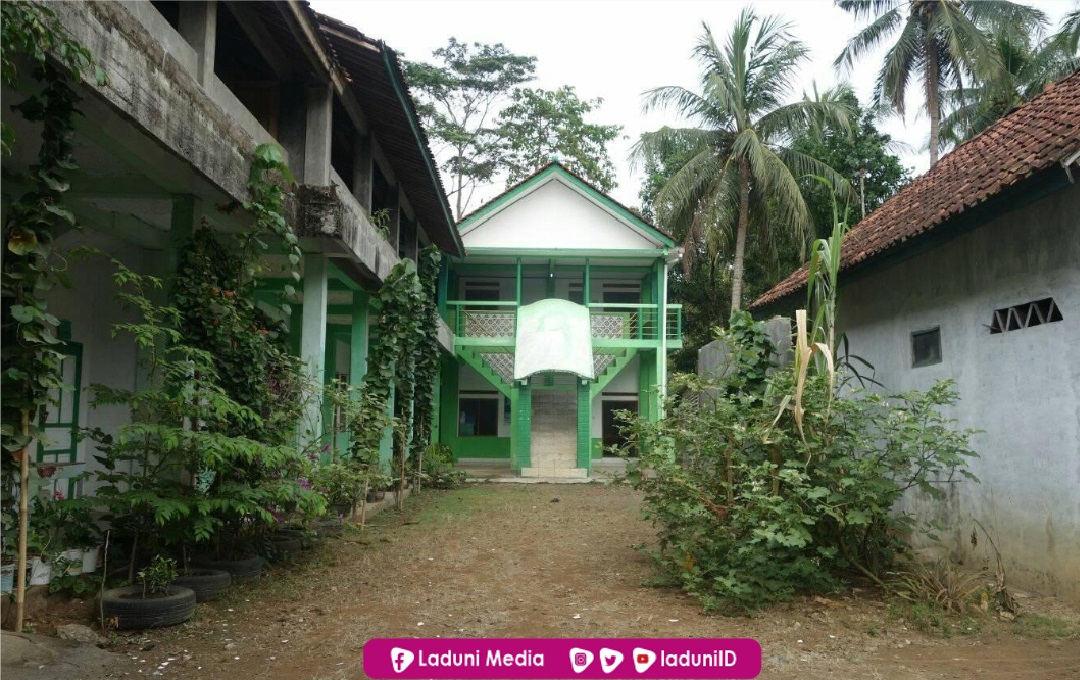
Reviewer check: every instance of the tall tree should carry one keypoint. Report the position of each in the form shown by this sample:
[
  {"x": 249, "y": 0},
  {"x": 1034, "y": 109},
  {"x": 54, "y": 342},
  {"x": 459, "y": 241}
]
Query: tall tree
[
  {"x": 942, "y": 42},
  {"x": 863, "y": 155},
  {"x": 539, "y": 125},
  {"x": 741, "y": 175},
  {"x": 1029, "y": 65},
  {"x": 458, "y": 99}
]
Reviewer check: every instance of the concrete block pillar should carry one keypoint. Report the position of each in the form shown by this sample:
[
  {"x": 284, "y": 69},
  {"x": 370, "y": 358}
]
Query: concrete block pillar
[
  {"x": 584, "y": 425},
  {"x": 317, "y": 134},
  {"x": 313, "y": 341},
  {"x": 198, "y": 26},
  {"x": 363, "y": 171}
]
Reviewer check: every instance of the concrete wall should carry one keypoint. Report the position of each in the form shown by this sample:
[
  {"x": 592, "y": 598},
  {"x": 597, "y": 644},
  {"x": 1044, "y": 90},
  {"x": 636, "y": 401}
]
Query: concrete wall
[
  {"x": 555, "y": 215},
  {"x": 1021, "y": 388}
]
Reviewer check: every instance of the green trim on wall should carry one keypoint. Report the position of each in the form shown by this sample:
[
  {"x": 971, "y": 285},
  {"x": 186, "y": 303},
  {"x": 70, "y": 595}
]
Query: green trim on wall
[
  {"x": 480, "y": 447},
  {"x": 521, "y": 421},
  {"x": 584, "y": 425}
]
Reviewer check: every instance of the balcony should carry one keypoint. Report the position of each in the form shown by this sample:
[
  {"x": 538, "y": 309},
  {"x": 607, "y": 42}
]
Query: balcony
[{"x": 613, "y": 325}]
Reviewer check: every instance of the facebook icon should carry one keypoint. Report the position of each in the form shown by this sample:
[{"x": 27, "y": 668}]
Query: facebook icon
[{"x": 401, "y": 659}]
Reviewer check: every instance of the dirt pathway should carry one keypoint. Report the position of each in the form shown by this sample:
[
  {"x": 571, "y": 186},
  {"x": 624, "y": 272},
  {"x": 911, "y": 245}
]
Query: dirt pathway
[{"x": 539, "y": 561}]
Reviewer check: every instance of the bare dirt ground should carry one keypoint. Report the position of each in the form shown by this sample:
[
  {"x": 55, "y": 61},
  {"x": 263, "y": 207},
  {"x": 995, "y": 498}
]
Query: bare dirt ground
[{"x": 558, "y": 561}]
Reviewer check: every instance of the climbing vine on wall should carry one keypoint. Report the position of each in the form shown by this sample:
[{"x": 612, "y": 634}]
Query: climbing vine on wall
[
  {"x": 427, "y": 358},
  {"x": 32, "y": 35},
  {"x": 403, "y": 357},
  {"x": 215, "y": 293}
]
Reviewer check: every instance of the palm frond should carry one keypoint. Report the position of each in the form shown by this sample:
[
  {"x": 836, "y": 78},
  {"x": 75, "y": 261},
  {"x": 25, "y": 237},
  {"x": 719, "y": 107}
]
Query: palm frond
[{"x": 868, "y": 39}]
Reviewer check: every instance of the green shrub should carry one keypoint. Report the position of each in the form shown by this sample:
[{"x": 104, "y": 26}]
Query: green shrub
[{"x": 752, "y": 509}]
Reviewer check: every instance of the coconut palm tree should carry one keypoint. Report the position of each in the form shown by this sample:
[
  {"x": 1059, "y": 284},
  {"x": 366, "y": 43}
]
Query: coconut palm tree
[
  {"x": 942, "y": 42},
  {"x": 1029, "y": 66},
  {"x": 739, "y": 169}
]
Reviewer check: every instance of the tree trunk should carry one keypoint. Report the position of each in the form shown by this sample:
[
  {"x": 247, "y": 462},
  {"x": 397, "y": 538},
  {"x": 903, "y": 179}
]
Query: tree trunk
[
  {"x": 932, "y": 96},
  {"x": 740, "y": 235}
]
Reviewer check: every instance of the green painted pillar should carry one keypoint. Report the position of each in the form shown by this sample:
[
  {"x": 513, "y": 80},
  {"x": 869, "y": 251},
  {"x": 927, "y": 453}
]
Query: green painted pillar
[
  {"x": 586, "y": 284},
  {"x": 584, "y": 425},
  {"x": 521, "y": 416},
  {"x": 329, "y": 435},
  {"x": 313, "y": 341},
  {"x": 296, "y": 328},
  {"x": 448, "y": 406},
  {"x": 358, "y": 338},
  {"x": 386, "y": 445}
]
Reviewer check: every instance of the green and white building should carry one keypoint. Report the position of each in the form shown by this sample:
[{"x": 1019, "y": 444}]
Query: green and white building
[{"x": 560, "y": 319}]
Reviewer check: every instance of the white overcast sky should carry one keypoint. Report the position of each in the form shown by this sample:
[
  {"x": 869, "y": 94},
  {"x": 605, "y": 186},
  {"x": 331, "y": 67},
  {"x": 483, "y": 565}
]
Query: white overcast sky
[{"x": 617, "y": 49}]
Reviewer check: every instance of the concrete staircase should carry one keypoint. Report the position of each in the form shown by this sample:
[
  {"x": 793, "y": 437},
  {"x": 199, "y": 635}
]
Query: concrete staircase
[{"x": 554, "y": 436}]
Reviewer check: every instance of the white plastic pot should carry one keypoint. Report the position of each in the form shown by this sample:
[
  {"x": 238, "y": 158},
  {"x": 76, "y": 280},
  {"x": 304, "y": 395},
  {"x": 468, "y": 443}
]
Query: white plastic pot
[
  {"x": 74, "y": 560},
  {"x": 7, "y": 578},
  {"x": 40, "y": 572},
  {"x": 90, "y": 559}
]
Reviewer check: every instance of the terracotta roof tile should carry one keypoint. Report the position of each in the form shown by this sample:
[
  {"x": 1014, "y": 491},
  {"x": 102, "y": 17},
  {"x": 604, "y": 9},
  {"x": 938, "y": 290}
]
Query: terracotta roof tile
[{"x": 1028, "y": 139}]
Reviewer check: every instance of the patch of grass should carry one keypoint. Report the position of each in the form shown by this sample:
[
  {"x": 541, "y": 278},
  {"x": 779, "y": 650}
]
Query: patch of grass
[
  {"x": 932, "y": 619},
  {"x": 1045, "y": 627}
]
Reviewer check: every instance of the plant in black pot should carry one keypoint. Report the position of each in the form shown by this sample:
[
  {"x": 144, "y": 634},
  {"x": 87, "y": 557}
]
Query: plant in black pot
[{"x": 153, "y": 603}]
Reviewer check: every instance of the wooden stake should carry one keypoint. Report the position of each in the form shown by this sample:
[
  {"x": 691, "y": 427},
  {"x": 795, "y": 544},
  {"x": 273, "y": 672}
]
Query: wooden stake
[{"x": 24, "y": 522}]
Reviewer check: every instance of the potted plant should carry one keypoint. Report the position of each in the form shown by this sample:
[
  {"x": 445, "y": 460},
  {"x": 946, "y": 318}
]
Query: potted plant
[
  {"x": 153, "y": 603},
  {"x": 81, "y": 533}
]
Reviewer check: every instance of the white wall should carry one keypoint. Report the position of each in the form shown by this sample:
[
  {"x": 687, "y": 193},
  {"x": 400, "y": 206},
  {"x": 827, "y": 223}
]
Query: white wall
[
  {"x": 621, "y": 387},
  {"x": 1022, "y": 388},
  {"x": 91, "y": 307},
  {"x": 555, "y": 215}
]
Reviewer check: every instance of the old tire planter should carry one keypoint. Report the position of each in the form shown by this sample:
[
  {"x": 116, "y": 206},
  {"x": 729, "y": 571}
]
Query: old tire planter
[
  {"x": 307, "y": 540},
  {"x": 283, "y": 547},
  {"x": 247, "y": 569},
  {"x": 130, "y": 610},
  {"x": 208, "y": 584}
]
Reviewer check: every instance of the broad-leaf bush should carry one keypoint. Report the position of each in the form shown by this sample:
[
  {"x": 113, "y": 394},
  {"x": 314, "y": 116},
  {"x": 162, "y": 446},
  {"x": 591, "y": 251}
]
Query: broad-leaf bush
[{"x": 750, "y": 511}]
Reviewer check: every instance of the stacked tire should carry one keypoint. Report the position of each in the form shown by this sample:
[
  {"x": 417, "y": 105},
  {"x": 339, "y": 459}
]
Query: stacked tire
[
  {"x": 208, "y": 584},
  {"x": 241, "y": 571},
  {"x": 126, "y": 608}
]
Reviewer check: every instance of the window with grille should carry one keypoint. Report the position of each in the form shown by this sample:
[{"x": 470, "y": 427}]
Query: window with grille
[
  {"x": 926, "y": 348},
  {"x": 1025, "y": 315}
]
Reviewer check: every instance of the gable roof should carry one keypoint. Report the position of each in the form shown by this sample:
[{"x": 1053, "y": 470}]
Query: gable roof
[
  {"x": 1035, "y": 136},
  {"x": 541, "y": 176},
  {"x": 377, "y": 81}
]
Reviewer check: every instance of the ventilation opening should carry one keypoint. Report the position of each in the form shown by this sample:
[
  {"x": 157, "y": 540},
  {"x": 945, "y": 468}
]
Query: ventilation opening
[{"x": 1025, "y": 315}]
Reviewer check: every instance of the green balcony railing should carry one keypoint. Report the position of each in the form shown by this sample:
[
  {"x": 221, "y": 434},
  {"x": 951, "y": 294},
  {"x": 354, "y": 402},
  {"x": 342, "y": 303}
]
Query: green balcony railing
[
  {"x": 674, "y": 323},
  {"x": 609, "y": 321},
  {"x": 476, "y": 319}
]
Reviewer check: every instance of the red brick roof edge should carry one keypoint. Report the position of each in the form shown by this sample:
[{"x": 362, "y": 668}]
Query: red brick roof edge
[{"x": 1034, "y": 136}]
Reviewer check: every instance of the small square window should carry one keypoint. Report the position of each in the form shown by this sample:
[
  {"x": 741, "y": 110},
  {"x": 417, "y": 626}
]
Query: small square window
[{"x": 926, "y": 348}]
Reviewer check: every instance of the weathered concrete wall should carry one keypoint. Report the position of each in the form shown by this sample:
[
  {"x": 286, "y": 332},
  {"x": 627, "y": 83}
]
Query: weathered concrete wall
[
  {"x": 713, "y": 358},
  {"x": 1021, "y": 388}
]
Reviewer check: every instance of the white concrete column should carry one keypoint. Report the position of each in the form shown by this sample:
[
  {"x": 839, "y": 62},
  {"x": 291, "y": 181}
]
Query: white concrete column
[
  {"x": 317, "y": 133},
  {"x": 395, "y": 217},
  {"x": 363, "y": 171},
  {"x": 198, "y": 26},
  {"x": 313, "y": 340}
]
